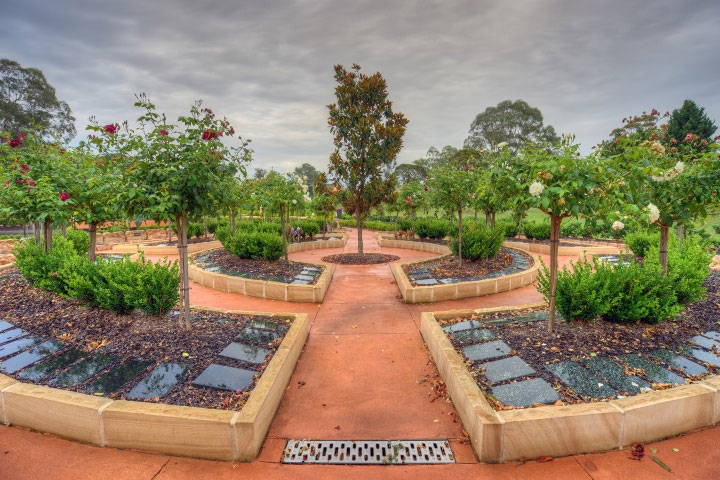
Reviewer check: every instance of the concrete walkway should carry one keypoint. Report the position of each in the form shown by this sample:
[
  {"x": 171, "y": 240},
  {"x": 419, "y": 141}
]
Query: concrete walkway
[{"x": 364, "y": 374}]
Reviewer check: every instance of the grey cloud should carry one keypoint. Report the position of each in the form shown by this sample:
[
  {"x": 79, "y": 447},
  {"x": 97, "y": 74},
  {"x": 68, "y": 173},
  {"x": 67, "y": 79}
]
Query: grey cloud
[{"x": 268, "y": 65}]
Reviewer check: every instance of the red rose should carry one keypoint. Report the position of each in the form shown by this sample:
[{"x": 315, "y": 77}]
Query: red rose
[
  {"x": 163, "y": 133},
  {"x": 220, "y": 134},
  {"x": 206, "y": 135},
  {"x": 689, "y": 137},
  {"x": 64, "y": 196},
  {"x": 21, "y": 136},
  {"x": 654, "y": 112},
  {"x": 6, "y": 139},
  {"x": 24, "y": 167},
  {"x": 15, "y": 142},
  {"x": 110, "y": 128},
  {"x": 7, "y": 184},
  {"x": 426, "y": 188}
]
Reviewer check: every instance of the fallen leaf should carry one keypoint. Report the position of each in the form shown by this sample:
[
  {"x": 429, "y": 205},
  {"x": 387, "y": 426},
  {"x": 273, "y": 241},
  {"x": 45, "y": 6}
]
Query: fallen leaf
[
  {"x": 544, "y": 459},
  {"x": 660, "y": 462},
  {"x": 638, "y": 451},
  {"x": 676, "y": 449},
  {"x": 185, "y": 354}
]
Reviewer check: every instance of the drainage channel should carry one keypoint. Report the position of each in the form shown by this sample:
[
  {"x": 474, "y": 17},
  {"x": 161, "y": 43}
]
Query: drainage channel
[{"x": 368, "y": 452}]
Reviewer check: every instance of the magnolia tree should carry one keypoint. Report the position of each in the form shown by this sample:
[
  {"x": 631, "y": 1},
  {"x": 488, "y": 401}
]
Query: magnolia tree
[
  {"x": 35, "y": 178},
  {"x": 174, "y": 170},
  {"x": 674, "y": 186},
  {"x": 452, "y": 187},
  {"x": 561, "y": 183},
  {"x": 281, "y": 193},
  {"x": 367, "y": 135}
]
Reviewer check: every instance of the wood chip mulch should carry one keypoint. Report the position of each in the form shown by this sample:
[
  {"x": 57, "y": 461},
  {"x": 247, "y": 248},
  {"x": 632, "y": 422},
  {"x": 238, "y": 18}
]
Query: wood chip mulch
[
  {"x": 578, "y": 341},
  {"x": 449, "y": 266},
  {"x": 357, "y": 259},
  {"x": 259, "y": 269},
  {"x": 155, "y": 339}
]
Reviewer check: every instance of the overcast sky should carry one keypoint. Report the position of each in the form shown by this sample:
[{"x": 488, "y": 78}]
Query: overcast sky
[{"x": 267, "y": 65}]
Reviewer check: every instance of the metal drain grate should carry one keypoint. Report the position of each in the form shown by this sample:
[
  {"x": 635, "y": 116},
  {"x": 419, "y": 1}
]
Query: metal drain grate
[{"x": 368, "y": 452}]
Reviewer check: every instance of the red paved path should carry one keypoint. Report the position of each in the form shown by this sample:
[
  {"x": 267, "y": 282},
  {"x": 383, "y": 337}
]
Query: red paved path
[{"x": 361, "y": 369}]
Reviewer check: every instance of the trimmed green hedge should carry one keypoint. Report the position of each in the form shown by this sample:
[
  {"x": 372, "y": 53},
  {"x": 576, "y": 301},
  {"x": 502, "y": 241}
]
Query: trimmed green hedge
[
  {"x": 479, "y": 241},
  {"x": 117, "y": 285}
]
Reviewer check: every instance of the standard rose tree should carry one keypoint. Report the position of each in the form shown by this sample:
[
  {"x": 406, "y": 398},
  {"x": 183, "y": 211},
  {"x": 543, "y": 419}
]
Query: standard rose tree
[
  {"x": 174, "y": 170},
  {"x": 35, "y": 182},
  {"x": 561, "y": 183},
  {"x": 674, "y": 186},
  {"x": 279, "y": 194}
]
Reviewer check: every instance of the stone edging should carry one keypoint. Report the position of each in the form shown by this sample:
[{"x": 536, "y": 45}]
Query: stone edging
[
  {"x": 319, "y": 244},
  {"x": 150, "y": 249},
  {"x": 167, "y": 429},
  {"x": 389, "y": 240},
  {"x": 264, "y": 288},
  {"x": 455, "y": 291},
  {"x": 606, "y": 249},
  {"x": 499, "y": 436}
]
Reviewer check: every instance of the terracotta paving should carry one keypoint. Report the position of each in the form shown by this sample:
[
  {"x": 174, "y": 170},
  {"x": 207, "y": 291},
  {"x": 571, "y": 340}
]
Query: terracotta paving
[{"x": 364, "y": 374}]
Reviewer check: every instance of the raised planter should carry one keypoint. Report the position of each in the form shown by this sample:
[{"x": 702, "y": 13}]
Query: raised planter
[
  {"x": 389, "y": 240},
  {"x": 168, "y": 429},
  {"x": 320, "y": 243},
  {"x": 150, "y": 249},
  {"x": 454, "y": 291},
  {"x": 564, "y": 250},
  {"x": 264, "y": 288},
  {"x": 499, "y": 436}
]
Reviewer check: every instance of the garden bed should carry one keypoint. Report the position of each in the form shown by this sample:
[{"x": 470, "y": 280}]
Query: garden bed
[
  {"x": 357, "y": 259},
  {"x": 309, "y": 285},
  {"x": 447, "y": 269},
  {"x": 130, "y": 347},
  {"x": 586, "y": 362},
  {"x": 418, "y": 285},
  {"x": 222, "y": 261}
]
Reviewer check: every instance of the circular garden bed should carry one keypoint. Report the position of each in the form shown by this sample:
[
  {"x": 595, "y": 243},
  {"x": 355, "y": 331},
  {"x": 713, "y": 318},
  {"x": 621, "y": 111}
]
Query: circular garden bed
[{"x": 358, "y": 259}]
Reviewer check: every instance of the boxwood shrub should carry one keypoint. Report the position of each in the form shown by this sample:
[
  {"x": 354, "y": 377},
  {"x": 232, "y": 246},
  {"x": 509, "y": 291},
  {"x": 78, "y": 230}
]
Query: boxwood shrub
[{"x": 479, "y": 242}]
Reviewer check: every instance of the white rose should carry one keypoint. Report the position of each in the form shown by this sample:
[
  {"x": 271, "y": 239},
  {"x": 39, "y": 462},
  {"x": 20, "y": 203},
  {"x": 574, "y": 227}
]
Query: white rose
[
  {"x": 653, "y": 213},
  {"x": 617, "y": 225},
  {"x": 294, "y": 202},
  {"x": 679, "y": 167},
  {"x": 502, "y": 145},
  {"x": 536, "y": 189}
]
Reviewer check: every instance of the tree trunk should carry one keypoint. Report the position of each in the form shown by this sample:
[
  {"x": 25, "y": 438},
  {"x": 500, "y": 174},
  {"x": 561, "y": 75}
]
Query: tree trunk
[
  {"x": 460, "y": 256},
  {"x": 283, "y": 228},
  {"x": 680, "y": 234},
  {"x": 664, "y": 247},
  {"x": 93, "y": 241},
  {"x": 205, "y": 231},
  {"x": 492, "y": 219},
  {"x": 487, "y": 219},
  {"x": 48, "y": 234},
  {"x": 169, "y": 228},
  {"x": 181, "y": 225},
  {"x": 232, "y": 221},
  {"x": 36, "y": 232},
  {"x": 554, "y": 243},
  {"x": 63, "y": 229},
  {"x": 358, "y": 219},
  {"x": 25, "y": 230}
]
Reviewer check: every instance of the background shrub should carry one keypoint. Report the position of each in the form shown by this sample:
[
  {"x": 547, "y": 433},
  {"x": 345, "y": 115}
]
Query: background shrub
[
  {"x": 509, "y": 226},
  {"x": 42, "y": 269},
  {"x": 80, "y": 240},
  {"x": 640, "y": 242},
  {"x": 580, "y": 292},
  {"x": 536, "y": 230},
  {"x": 433, "y": 228},
  {"x": 253, "y": 244},
  {"x": 159, "y": 285},
  {"x": 479, "y": 242}
]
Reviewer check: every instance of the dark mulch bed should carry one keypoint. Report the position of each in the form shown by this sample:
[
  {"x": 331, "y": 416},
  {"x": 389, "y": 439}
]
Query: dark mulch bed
[
  {"x": 230, "y": 264},
  {"x": 449, "y": 266},
  {"x": 357, "y": 259},
  {"x": 582, "y": 340},
  {"x": 155, "y": 339}
]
